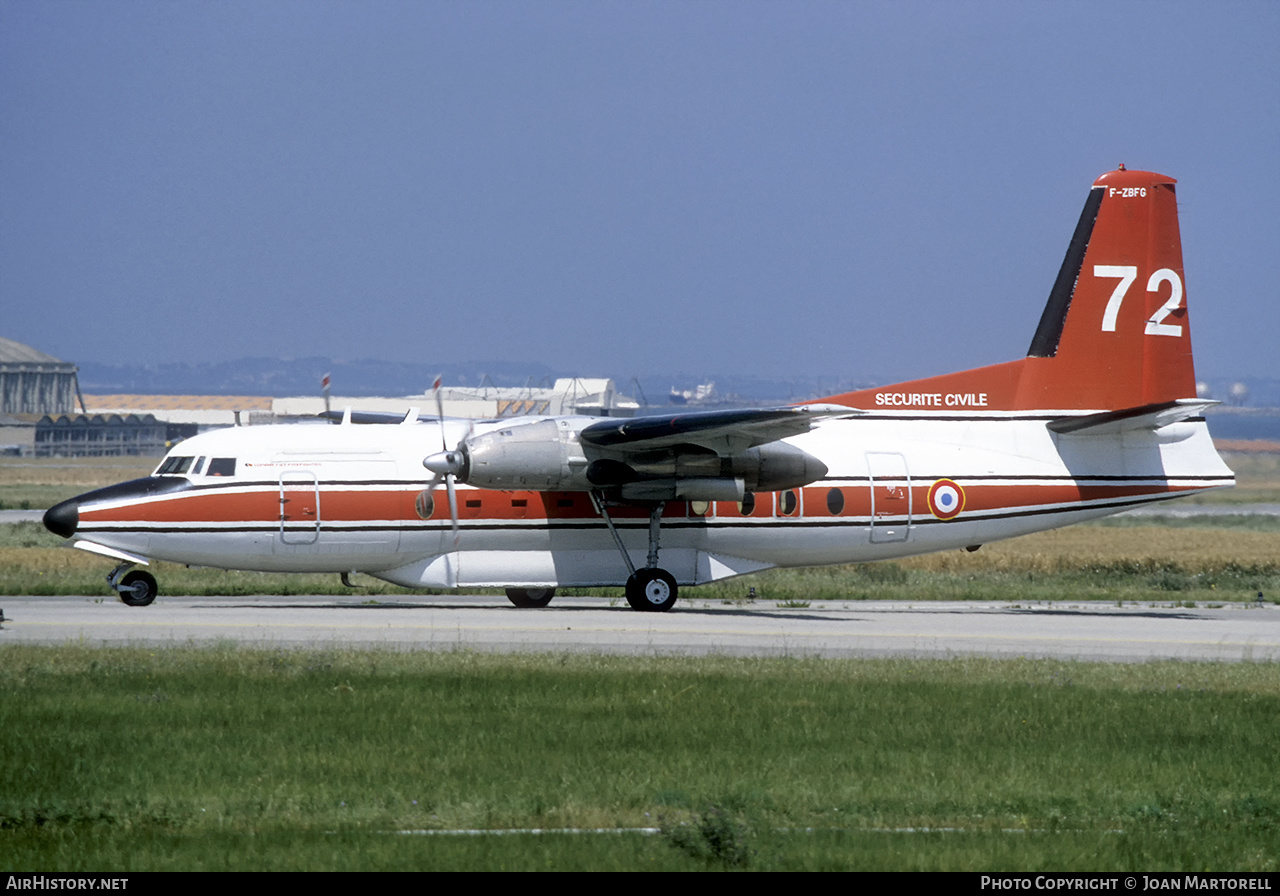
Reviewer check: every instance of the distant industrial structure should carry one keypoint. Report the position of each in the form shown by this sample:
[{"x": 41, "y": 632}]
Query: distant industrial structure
[
  {"x": 39, "y": 399},
  {"x": 182, "y": 416},
  {"x": 567, "y": 395},
  {"x": 32, "y": 382},
  {"x": 44, "y": 414}
]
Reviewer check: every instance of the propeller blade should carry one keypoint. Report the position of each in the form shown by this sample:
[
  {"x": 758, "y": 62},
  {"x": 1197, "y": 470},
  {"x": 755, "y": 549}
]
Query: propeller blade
[
  {"x": 447, "y": 464},
  {"x": 435, "y": 387},
  {"x": 445, "y": 474},
  {"x": 453, "y": 508}
]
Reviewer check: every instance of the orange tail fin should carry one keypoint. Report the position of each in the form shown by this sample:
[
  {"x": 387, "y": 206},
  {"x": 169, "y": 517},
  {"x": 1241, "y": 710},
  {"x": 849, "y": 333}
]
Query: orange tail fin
[{"x": 1114, "y": 333}]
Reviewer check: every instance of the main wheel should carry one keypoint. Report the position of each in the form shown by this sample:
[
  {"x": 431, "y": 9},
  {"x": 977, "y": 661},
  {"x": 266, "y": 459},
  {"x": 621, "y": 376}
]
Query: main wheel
[
  {"x": 651, "y": 590},
  {"x": 530, "y": 597},
  {"x": 138, "y": 588}
]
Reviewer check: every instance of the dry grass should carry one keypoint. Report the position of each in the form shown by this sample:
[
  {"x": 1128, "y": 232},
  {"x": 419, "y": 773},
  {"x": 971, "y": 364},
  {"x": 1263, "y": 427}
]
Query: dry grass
[
  {"x": 73, "y": 472},
  {"x": 1192, "y": 550},
  {"x": 38, "y": 483},
  {"x": 1257, "y": 480}
]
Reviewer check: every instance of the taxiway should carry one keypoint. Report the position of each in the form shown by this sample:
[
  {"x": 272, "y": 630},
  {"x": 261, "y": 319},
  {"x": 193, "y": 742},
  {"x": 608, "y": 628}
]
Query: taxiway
[{"x": 1063, "y": 630}]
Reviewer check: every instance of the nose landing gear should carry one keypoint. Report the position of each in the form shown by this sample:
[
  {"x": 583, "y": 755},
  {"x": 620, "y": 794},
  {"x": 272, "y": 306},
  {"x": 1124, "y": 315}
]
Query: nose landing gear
[{"x": 137, "y": 588}]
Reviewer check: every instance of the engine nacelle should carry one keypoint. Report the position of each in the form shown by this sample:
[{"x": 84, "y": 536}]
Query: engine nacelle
[
  {"x": 775, "y": 467},
  {"x": 549, "y": 456},
  {"x": 542, "y": 456}
]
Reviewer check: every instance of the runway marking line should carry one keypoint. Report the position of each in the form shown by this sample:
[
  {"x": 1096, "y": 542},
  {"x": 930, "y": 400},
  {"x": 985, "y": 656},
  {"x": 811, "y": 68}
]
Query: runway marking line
[{"x": 949, "y": 638}]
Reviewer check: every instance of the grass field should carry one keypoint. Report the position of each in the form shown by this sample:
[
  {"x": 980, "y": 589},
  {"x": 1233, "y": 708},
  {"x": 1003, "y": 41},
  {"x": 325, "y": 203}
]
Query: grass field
[
  {"x": 135, "y": 759},
  {"x": 39, "y": 483}
]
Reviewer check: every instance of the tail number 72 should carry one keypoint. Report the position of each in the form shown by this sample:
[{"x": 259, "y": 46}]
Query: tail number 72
[{"x": 1127, "y": 273}]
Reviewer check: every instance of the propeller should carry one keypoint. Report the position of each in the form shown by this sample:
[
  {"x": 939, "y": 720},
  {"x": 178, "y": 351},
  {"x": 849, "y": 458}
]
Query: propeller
[{"x": 446, "y": 464}]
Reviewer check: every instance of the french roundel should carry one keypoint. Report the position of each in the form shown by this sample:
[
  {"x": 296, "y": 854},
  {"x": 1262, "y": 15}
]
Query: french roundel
[{"x": 946, "y": 499}]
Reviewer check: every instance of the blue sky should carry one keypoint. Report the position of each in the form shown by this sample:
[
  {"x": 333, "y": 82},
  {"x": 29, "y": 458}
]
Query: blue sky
[{"x": 864, "y": 190}]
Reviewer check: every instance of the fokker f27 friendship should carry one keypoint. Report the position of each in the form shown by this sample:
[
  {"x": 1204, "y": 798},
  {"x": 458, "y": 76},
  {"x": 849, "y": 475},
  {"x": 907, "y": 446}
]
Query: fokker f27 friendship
[{"x": 1100, "y": 416}]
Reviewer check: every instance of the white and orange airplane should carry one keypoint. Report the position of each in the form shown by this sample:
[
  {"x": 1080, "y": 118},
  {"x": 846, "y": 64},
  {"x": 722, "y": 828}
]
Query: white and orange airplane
[{"x": 1100, "y": 416}]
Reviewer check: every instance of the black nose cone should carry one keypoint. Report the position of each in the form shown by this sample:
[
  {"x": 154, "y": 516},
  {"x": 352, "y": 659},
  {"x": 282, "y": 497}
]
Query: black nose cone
[{"x": 62, "y": 519}]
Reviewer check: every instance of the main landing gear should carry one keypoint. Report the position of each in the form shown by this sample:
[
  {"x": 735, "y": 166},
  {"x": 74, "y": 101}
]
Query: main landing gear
[
  {"x": 649, "y": 589},
  {"x": 530, "y": 598},
  {"x": 137, "y": 588}
]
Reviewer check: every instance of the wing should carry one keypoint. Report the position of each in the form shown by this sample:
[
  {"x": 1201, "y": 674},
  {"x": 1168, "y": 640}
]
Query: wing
[
  {"x": 376, "y": 417},
  {"x": 726, "y": 432}
]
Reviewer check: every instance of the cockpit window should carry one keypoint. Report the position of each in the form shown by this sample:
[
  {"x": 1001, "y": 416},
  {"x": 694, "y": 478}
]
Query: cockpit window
[
  {"x": 195, "y": 471},
  {"x": 221, "y": 466},
  {"x": 174, "y": 466}
]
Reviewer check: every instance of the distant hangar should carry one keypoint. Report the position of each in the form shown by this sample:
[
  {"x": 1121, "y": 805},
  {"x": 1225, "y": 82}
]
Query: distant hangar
[
  {"x": 39, "y": 399},
  {"x": 32, "y": 382}
]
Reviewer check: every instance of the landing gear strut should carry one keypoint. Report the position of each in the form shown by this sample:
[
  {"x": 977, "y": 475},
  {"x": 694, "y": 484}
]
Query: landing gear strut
[
  {"x": 137, "y": 588},
  {"x": 650, "y": 589}
]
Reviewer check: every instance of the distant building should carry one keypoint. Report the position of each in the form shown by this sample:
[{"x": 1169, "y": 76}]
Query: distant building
[
  {"x": 148, "y": 424},
  {"x": 187, "y": 414},
  {"x": 100, "y": 435},
  {"x": 568, "y": 395},
  {"x": 32, "y": 382},
  {"x": 39, "y": 400}
]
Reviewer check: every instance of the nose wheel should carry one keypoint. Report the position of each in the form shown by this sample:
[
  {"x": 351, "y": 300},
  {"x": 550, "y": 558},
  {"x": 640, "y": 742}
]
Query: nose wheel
[{"x": 136, "y": 589}]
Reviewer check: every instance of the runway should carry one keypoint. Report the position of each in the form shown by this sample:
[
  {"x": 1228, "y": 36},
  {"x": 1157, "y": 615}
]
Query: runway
[{"x": 1063, "y": 630}]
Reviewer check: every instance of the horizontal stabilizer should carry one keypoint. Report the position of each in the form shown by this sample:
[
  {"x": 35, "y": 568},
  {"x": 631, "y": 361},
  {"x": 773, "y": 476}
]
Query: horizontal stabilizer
[{"x": 1147, "y": 416}]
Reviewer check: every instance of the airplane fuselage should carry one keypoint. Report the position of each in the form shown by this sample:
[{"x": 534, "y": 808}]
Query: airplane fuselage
[{"x": 322, "y": 498}]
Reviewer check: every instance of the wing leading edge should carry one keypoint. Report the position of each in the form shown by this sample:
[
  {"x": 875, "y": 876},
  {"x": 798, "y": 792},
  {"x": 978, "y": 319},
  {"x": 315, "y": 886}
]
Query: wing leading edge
[{"x": 726, "y": 432}]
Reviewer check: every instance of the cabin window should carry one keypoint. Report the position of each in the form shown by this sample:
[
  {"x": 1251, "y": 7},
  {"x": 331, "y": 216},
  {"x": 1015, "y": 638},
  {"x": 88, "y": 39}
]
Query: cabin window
[
  {"x": 222, "y": 466},
  {"x": 747, "y": 504},
  {"x": 425, "y": 505},
  {"x": 787, "y": 503},
  {"x": 835, "y": 502},
  {"x": 174, "y": 466},
  {"x": 699, "y": 508}
]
